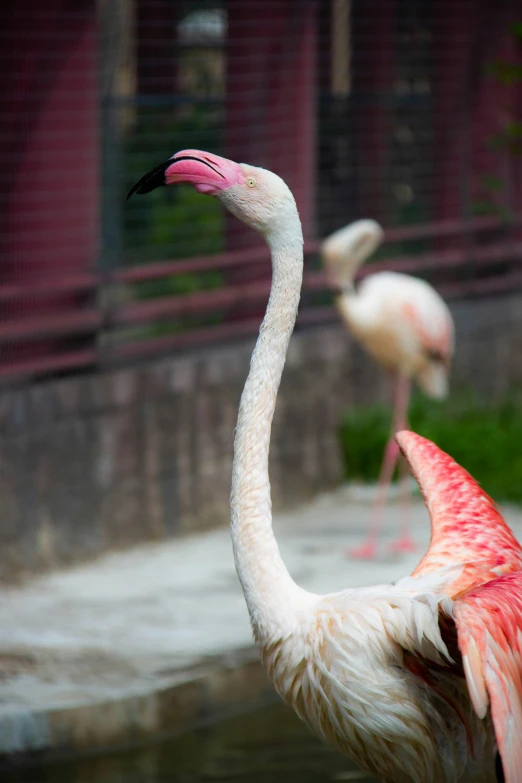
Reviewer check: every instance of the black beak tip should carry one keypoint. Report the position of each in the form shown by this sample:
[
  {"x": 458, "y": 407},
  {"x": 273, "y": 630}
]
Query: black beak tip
[
  {"x": 154, "y": 178},
  {"x": 135, "y": 189}
]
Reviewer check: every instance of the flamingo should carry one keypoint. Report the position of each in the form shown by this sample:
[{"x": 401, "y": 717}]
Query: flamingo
[
  {"x": 406, "y": 327},
  {"x": 418, "y": 681}
]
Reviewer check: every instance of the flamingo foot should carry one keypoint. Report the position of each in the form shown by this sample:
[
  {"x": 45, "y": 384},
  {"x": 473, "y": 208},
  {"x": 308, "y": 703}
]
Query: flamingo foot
[
  {"x": 404, "y": 544},
  {"x": 367, "y": 551}
]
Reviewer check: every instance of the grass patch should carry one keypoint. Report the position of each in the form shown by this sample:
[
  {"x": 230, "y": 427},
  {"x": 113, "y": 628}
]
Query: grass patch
[{"x": 485, "y": 438}]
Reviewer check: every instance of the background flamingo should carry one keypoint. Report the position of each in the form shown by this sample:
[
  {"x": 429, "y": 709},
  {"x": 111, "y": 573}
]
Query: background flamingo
[
  {"x": 418, "y": 681},
  {"x": 405, "y": 325}
]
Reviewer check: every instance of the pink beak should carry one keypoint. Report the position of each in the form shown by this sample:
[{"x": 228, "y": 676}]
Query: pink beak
[{"x": 208, "y": 173}]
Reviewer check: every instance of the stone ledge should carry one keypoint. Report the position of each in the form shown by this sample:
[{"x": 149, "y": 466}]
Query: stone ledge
[
  {"x": 214, "y": 690},
  {"x": 155, "y": 641}
]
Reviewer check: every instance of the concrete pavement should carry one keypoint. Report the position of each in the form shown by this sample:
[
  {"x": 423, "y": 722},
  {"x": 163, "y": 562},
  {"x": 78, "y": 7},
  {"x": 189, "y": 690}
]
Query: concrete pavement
[{"x": 158, "y": 638}]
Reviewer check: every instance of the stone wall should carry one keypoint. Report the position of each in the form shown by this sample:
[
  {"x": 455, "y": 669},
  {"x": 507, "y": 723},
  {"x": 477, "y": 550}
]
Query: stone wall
[{"x": 107, "y": 460}]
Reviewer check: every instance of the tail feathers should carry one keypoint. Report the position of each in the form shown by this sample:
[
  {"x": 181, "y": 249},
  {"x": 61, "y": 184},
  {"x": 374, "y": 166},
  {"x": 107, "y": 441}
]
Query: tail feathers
[
  {"x": 466, "y": 527},
  {"x": 433, "y": 380},
  {"x": 489, "y": 626}
]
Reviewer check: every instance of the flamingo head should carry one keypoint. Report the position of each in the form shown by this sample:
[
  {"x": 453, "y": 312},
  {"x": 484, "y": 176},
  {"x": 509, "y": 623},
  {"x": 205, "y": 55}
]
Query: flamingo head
[
  {"x": 346, "y": 249},
  {"x": 356, "y": 241},
  {"x": 256, "y": 196}
]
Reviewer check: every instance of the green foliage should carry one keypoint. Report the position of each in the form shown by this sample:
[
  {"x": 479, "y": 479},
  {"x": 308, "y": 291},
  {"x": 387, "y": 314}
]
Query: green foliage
[
  {"x": 484, "y": 438},
  {"x": 482, "y": 206},
  {"x": 179, "y": 284},
  {"x": 506, "y": 72},
  {"x": 170, "y": 222},
  {"x": 406, "y": 214},
  {"x": 509, "y": 136},
  {"x": 493, "y": 182},
  {"x": 515, "y": 28}
]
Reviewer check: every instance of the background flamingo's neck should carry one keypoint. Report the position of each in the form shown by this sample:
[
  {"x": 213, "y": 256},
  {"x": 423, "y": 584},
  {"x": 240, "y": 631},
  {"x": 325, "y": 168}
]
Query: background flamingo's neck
[
  {"x": 271, "y": 594},
  {"x": 355, "y": 312}
]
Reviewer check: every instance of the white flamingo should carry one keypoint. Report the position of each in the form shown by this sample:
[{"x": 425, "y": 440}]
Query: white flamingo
[
  {"x": 420, "y": 681},
  {"x": 405, "y": 326}
]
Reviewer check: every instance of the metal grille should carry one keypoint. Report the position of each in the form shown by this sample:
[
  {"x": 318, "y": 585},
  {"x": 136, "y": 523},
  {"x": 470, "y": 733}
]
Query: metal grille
[{"x": 408, "y": 111}]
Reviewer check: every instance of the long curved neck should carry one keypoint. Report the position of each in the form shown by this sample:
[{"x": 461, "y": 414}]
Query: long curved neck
[
  {"x": 270, "y": 592},
  {"x": 349, "y": 305}
]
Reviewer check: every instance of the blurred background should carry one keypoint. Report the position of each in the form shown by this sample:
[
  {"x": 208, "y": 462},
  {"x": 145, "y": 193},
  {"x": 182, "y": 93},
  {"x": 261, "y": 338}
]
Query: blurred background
[
  {"x": 126, "y": 328},
  {"x": 405, "y": 111},
  {"x": 126, "y": 331}
]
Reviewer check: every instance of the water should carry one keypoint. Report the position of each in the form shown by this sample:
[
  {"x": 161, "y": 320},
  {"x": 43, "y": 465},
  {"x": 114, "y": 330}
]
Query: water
[{"x": 268, "y": 746}]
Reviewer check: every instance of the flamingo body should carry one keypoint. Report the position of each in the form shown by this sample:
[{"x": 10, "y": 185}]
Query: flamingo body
[
  {"x": 402, "y": 677},
  {"x": 419, "y": 682},
  {"x": 404, "y": 325},
  {"x": 400, "y": 319},
  {"x": 352, "y": 674}
]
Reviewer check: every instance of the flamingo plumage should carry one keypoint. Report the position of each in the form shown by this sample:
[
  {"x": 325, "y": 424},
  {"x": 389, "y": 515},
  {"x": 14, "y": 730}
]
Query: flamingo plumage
[
  {"x": 403, "y": 323},
  {"x": 419, "y": 681}
]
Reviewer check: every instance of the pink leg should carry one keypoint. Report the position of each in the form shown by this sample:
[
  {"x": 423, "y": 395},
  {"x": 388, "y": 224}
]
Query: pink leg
[
  {"x": 404, "y": 542},
  {"x": 369, "y": 547}
]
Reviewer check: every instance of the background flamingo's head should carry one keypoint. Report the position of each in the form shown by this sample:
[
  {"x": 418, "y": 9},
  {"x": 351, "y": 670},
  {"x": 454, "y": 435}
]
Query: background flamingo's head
[
  {"x": 346, "y": 249},
  {"x": 256, "y": 196}
]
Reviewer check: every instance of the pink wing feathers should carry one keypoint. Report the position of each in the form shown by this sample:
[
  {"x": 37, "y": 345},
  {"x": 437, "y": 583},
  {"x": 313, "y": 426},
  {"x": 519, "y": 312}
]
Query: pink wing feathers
[
  {"x": 489, "y": 626},
  {"x": 433, "y": 327},
  {"x": 467, "y": 528},
  {"x": 465, "y": 524}
]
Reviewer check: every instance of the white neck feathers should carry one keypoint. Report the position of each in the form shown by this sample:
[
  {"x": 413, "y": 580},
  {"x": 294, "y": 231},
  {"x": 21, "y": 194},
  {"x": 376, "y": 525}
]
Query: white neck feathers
[{"x": 271, "y": 594}]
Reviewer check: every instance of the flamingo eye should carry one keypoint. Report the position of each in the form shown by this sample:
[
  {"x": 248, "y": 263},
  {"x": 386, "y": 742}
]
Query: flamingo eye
[{"x": 251, "y": 182}]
